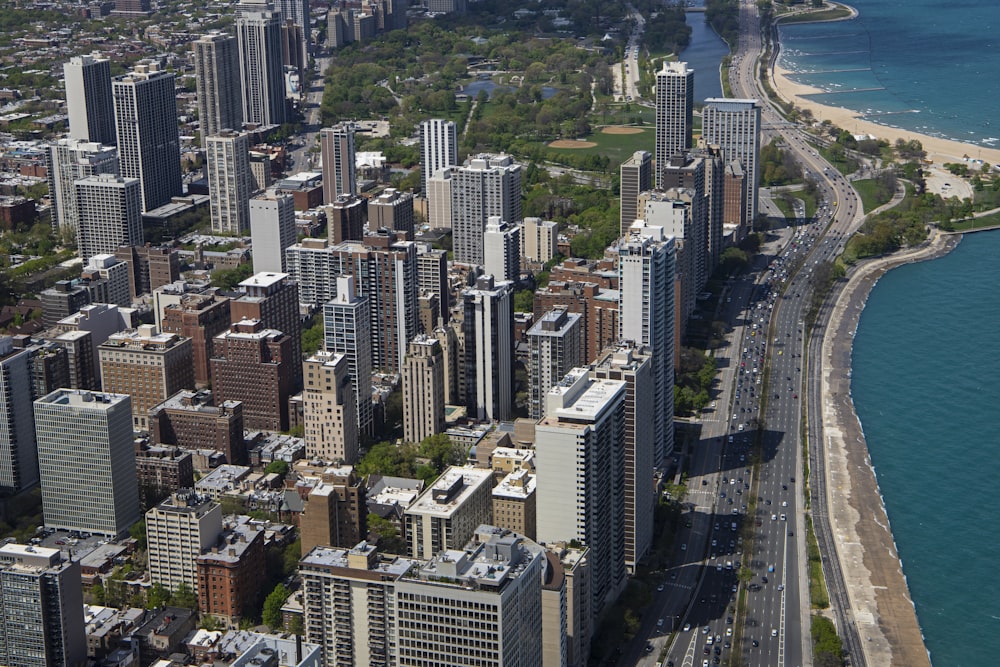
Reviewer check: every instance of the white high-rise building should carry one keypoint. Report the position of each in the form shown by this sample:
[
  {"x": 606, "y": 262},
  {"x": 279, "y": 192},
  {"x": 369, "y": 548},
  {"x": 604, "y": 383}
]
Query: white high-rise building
[
  {"x": 18, "y": 451},
  {"x": 220, "y": 90},
  {"x": 148, "y": 142},
  {"x": 86, "y": 461},
  {"x": 272, "y": 230},
  {"x": 488, "y": 328},
  {"x": 347, "y": 331},
  {"x": 502, "y": 249},
  {"x": 646, "y": 316},
  {"x": 228, "y": 158},
  {"x": 88, "y": 99},
  {"x": 110, "y": 210},
  {"x": 178, "y": 530},
  {"x": 438, "y": 148},
  {"x": 69, "y": 160},
  {"x": 258, "y": 30},
  {"x": 438, "y": 192},
  {"x": 487, "y": 185},
  {"x": 339, "y": 162},
  {"x": 579, "y": 462},
  {"x": 556, "y": 344},
  {"x": 41, "y": 608},
  {"x": 447, "y": 513},
  {"x": 674, "y": 113},
  {"x": 539, "y": 239},
  {"x": 734, "y": 126}
]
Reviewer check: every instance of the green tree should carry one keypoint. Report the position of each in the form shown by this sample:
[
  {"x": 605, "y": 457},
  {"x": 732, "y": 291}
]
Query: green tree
[
  {"x": 272, "y": 607},
  {"x": 228, "y": 279},
  {"x": 137, "y": 531},
  {"x": 387, "y": 533},
  {"x": 184, "y": 597},
  {"x": 278, "y": 467},
  {"x": 524, "y": 301},
  {"x": 97, "y": 594},
  {"x": 157, "y": 597},
  {"x": 294, "y": 625},
  {"x": 291, "y": 556}
]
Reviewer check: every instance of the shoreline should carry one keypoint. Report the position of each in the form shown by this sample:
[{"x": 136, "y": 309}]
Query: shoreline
[
  {"x": 881, "y": 606},
  {"x": 938, "y": 150}
]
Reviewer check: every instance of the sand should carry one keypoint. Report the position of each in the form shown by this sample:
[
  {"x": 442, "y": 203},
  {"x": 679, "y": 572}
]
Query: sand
[
  {"x": 938, "y": 150},
  {"x": 571, "y": 143},
  {"x": 618, "y": 129}
]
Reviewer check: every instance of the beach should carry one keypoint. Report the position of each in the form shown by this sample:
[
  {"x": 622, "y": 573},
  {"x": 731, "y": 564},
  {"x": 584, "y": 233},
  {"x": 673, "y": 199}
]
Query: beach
[{"x": 938, "y": 150}]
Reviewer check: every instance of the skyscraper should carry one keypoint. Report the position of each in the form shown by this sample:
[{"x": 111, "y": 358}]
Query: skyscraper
[
  {"x": 579, "y": 461},
  {"x": 487, "y": 185},
  {"x": 674, "y": 112},
  {"x": 41, "y": 608},
  {"x": 272, "y": 230},
  {"x": 337, "y": 151},
  {"x": 88, "y": 99},
  {"x": 329, "y": 408},
  {"x": 646, "y": 316},
  {"x": 502, "y": 249},
  {"x": 488, "y": 327},
  {"x": 18, "y": 452},
  {"x": 347, "y": 331},
  {"x": 392, "y": 210},
  {"x": 438, "y": 148},
  {"x": 734, "y": 126},
  {"x": 539, "y": 239},
  {"x": 447, "y": 513},
  {"x": 148, "y": 143},
  {"x": 273, "y": 298},
  {"x": 86, "y": 461},
  {"x": 110, "y": 210},
  {"x": 636, "y": 177},
  {"x": 297, "y": 11},
  {"x": 67, "y": 161},
  {"x": 228, "y": 158},
  {"x": 556, "y": 344},
  {"x": 423, "y": 389},
  {"x": 258, "y": 30},
  {"x": 220, "y": 91},
  {"x": 178, "y": 530}
]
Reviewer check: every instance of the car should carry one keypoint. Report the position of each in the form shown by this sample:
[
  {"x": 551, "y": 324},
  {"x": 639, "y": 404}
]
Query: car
[
  {"x": 729, "y": 632},
  {"x": 793, "y": 480},
  {"x": 755, "y": 643},
  {"x": 764, "y": 579},
  {"x": 659, "y": 589},
  {"x": 673, "y": 575},
  {"x": 710, "y": 640},
  {"x": 705, "y": 630},
  {"x": 684, "y": 547},
  {"x": 784, "y": 503},
  {"x": 659, "y": 623},
  {"x": 783, "y": 517},
  {"x": 781, "y": 587},
  {"x": 729, "y": 620},
  {"x": 60, "y": 542},
  {"x": 774, "y": 517},
  {"x": 774, "y": 632},
  {"x": 649, "y": 648},
  {"x": 791, "y": 534},
  {"x": 687, "y": 627}
]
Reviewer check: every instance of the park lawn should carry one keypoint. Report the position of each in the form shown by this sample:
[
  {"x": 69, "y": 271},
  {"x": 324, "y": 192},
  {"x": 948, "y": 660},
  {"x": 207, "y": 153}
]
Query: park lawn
[
  {"x": 808, "y": 199},
  {"x": 992, "y": 220},
  {"x": 844, "y": 165},
  {"x": 871, "y": 197},
  {"x": 616, "y": 147}
]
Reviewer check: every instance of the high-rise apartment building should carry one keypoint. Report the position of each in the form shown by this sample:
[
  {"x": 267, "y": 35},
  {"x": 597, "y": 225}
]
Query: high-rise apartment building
[
  {"x": 347, "y": 331},
  {"x": 88, "y": 99},
  {"x": 178, "y": 530},
  {"x": 199, "y": 317},
  {"x": 514, "y": 503},
  {"x": 556, "y": 344},
  {"x": 148, "y": 366},
  {"x": 579, "y": 460},
  {"x": 217, "y": 76},
  {"x": 447, "y": 513},
  {"x": 632, "y": 364},
  {"x": 687, "y": 178},
  {"x": 646, "y": 316},
  {"x": 273, "y": 298},
  {"x": 488, "y": 328},
  {"x": 487, "y": 185},
  {"x": 329, "y": 409},
  {"x": 67, "y": 161},
  {"x": 438, "y": 192},
  {"x": 734, "y": 126},
  {"x": 229, "y": 575},
  {"x": 41, "y": 608},
  {"x": 253, "y": 364},
  {"x": 193, "y": 421},
  {"x": 151, "y": 266},
  {"x": 296, "y": 47},
  {"x": 228, "y": 157},
  {"x": 92, "y": 432},
  {"x": 339, "y": 165},
  {"x": 480, "y": 604},
  {"x": 392, "y": 210},
  {"x": 502, "y": 250},
  {"x": 423, "y": 389},
  {"x": 258, "y": 31},
  {"x": 539, "y": 240},
  {"x": 438, "y": 148},
  {"x": 272, "y": 229},
  {"x": 346, "y": 218},
  {"x": 674, "y": 112},
  {"x": 672, "y": 211},
  {"x": 110, "y": 280},
  {"x": 148, "y": 142},
  {"x": 335, "y": 512},
  {"x": 110, "y": 214},
  {"x": 18, "y": 452},
  {"x": 636, "y": 177}
]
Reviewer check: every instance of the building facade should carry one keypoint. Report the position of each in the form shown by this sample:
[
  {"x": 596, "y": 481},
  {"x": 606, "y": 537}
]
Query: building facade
[
  {"x": 258, "y": 32},
  {"x": 487, "y": 185},
  {"x": 110, "y": 214},
  {"x": 488, "y": 328},
  {"x": 178, "y": 530},
  {"x": 18, "y": 451},
  {"x": 636, "y": 177},
  {"x": 438, "y": 148},
  {"x": 555, "y": 341},
  {"x": 217, "y": 76},
  {"x": 446, "y": 514},
  {"x": 734, "y": 126},
  {"x": 339, "y": 163},
  {"x": 423, "y": 389},
  {"x": 69, "y": 160},
  {"x": 272, "y": 230},
  {"x": 329, "y": 409},
  {"x": 228, "y": 157},
  {"x": 88, "y": 99},
  {"x": 674, "y": 113}
]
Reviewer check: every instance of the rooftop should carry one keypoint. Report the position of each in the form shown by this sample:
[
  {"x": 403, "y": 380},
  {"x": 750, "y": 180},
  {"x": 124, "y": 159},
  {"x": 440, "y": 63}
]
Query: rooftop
[
  {"x": 81, "y": 398},
  {"x": 450, "y": 490}
]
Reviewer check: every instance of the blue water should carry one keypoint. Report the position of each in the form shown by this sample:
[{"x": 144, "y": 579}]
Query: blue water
[
  {"x": 704, "y": 54},
  {"x": 923, "y": 65},
  {"x": 924, "y": 382}
]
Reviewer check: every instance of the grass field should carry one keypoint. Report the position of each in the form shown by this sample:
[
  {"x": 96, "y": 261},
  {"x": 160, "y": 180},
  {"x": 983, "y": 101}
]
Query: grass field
[
  {"x": 977, "y": 223},
  {"x": 871, "y": 196},
  {"x": 617, "y": 147}
]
